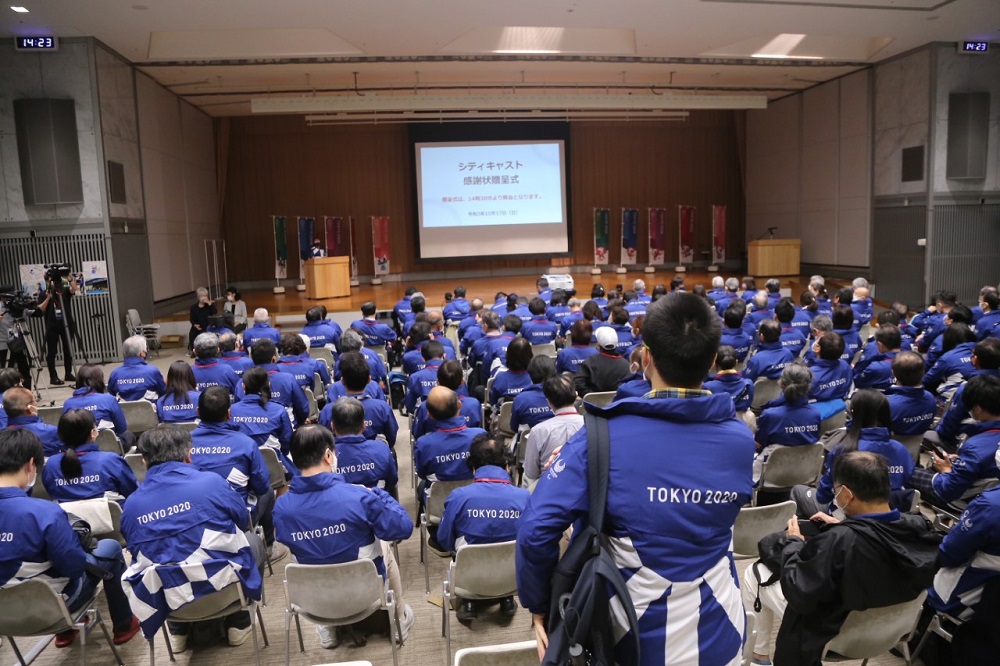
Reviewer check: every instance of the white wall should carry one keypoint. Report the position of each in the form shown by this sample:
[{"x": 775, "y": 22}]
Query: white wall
[
  {"x": 808, "y": 171},
  {"x": 178, "y": 164},
  {"x": 902, "y": 107}
]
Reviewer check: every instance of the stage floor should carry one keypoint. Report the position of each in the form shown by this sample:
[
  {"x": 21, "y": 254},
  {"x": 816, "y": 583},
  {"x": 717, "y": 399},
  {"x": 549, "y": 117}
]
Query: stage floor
[{"x": 294, "y": 302}]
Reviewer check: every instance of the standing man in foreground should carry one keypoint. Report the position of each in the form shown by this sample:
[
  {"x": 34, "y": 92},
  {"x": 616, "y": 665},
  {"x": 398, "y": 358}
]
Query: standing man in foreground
[{"x": 679, "y": 471}]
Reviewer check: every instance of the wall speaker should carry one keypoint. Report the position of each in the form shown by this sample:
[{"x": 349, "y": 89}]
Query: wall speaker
[
  {"x": 49, "y": 151},
  {"x": 968, "y": 135}
]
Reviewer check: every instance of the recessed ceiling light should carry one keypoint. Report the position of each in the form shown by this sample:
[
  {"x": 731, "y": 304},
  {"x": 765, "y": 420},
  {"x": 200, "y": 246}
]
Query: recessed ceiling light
[{"x": 20, "y": 10}]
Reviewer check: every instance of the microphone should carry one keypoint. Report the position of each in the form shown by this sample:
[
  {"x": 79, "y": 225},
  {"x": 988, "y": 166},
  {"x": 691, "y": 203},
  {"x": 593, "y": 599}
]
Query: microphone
[{"x": 772, "y": 229}]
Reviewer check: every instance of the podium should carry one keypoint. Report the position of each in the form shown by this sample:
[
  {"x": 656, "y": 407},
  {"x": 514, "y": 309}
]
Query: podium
[
  {"x": 774, "y": 256},
  {"x": 328, "y": 277}
]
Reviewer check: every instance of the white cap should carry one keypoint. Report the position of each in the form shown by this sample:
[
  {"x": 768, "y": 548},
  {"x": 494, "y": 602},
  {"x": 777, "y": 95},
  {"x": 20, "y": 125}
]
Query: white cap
[{"x": 607, "y": 338}]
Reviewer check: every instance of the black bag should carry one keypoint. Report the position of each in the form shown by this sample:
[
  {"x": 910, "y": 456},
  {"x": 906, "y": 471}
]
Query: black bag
[
  {"x": 16, "y": 343},
  {"x": 82, "y": 529},
  {"x": 769, "y": 551},
  {"x": 586, "y": 578}
]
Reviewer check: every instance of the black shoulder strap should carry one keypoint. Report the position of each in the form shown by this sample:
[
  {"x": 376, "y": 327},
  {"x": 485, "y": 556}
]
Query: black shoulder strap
[{"x": 598, "y": 461}]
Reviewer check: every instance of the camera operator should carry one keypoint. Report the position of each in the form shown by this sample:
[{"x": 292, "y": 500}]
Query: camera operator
[
  {"x": 12, "y": 308},
  {"x": 59, "y": 322}
]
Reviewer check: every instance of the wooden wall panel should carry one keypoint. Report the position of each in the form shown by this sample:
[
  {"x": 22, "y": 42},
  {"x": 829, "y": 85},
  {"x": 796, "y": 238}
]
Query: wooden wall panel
[{"x": 280, "y": 166}]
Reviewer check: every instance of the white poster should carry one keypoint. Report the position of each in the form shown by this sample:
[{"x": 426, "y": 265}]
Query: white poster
[
  {"x": 32, "y": 278},
  {"x": 95, "y": 277}
]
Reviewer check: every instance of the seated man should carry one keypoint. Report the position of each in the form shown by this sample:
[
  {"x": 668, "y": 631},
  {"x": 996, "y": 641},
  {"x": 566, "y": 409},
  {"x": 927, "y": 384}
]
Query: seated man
[
  {"x": 350, "y": 341},
  {"x": 379, "y": 419},
  {"x": 954, "y": 365},
  {"x": 413, "y": 359},
  {"x": 39, "y": 543},
  {"x": 832, "y": 375},
  {"x": 843, "y": 325},
  {"x": 373, "y": 333},
  {"x": 261, "y": 329},
  {"x": 861, "y": 303},
  {"x": 761, "y": 312},
  {"x": 876, "y": 557},
  {"x": 22, "y": 412},
  {"x": 436, "y": 321},
  {"x": 368, "y": 518},
  {"x": 284, "y": 389},
  {"x": 236, "y": 359},
  {"x": 363, "y": 461},
  {"x": 530, "y": 405},
  {"x": 770, "y": 358},
  {"x": 730, "y": 381},
  {"x": 550, "y": 435},
  {"x": 485, "y": 512},
  {"x": 956, "y": 420},
  {"x": 470, "y": 328},
  {"x": 421, "y": 382},
  {"x": 208, "y": 368},
  {"x": 733, "y": 334},
  {"x": 604, "y": 371},
  {"x": 440, "y": 455},
  {"x": 188, "y": 532},
  {"x": 792, "y": 338},
  {"x": 913, "y": 408},
  {"x": 321, "y": 331},
  {"x": 450, "y": 376},
  {"x": 296, "y": 361},
  {"x": 458, "y": 308},
  {"x": 136, "y": 379},
  {"x": 539, "y": 330},
  {"x": 401, "y": 310},
  {"x": 875, "y": 370}
]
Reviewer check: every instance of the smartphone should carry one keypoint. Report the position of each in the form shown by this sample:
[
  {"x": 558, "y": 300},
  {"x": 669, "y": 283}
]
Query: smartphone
[{"x": 931, "y": 446}]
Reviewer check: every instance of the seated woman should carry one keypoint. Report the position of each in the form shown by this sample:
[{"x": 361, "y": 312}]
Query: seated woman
[
  {"x": 90, "y": 394},
  {"x": 513, "y": 379},
  {"x": 793, "y": 423},
  {"x": 180, "y": 402},
  {"x": 84, "y": 471},
  {"x": 265, "y": 422}
]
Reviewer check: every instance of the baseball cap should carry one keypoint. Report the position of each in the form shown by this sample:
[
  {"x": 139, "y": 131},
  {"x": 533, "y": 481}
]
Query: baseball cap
[{"x": 607, "y": 338}]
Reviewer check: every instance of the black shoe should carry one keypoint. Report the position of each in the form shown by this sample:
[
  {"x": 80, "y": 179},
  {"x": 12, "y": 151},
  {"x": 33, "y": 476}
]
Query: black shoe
[
  {"x": 507, "y": 607},
  {"x": 55, "y": 381},
  {"x": 70, "y": 377},
  {"x": 467, "y": 611}
]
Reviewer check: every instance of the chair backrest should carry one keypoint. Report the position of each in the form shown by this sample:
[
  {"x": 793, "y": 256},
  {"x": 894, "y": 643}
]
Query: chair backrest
[
  {"x": 600, "y": 398},
  {"x": 140, "y": 415},
  {"x": 755, "y": 522},
  {"x": 136, "y": 464},
  {"x": 274, "y": 467},
  {"x": 524, "y": 653},
  {"x": 50, "y": 415},
  {"x": 546, "y": 349},
  {"x": 39, "y": 491},
  {"x": 438, "y": 494},
  {"x": 503, "y": 423},
  {"x": 133, "y": 319},
  {"x": 217, "y": 604},
  {"x": 334, "y": 593},
  {"x": 912, "y": 444},
  {"x": 40, "y": 611},
  {"x": 107, "y": 440},
  {"x": 485, "y": 571},
  {"x": 322, "y": 353},
  {"x": 764, "y": 391},
  {"x": 382, "y": 353},
  {"x": 317, "y": 383},
  {"x": 875, "y": 631},
  {"x": 188, "y": 426},
  {"x": 789, "y": 466},
  {"x": 833, "y": 422},
  {"x": 313, "y": 407}
]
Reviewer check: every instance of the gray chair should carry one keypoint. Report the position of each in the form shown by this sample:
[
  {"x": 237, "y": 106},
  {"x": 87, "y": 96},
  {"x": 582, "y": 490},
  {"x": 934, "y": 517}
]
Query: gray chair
[
  {"x": 600, "y": 398},
  {"x": 547, "y": 349},
  {"x": 478, "y": 572},
  {"x": 433, "y": 510},
  {"x": 33, "y": 608},
  {"x": 313, "y": 407},
  {"x": 91, "y": 510},
  {"x": 789, "y": 466},
  {"x": 50, "y": 415},
  {"x": 140, "y": 415},
  {"x": 336, "y": 594},
  {"x": 764, "y": 391},
  {"x": 750, "y": 637},
  {"x": 943, "y": 625},
  {"x": 912, "y": 444},
  {"x": 274, "y": 467},
  {"x": 323, "y": 354},
  {"x": 188, "y": 426},
  {"x": 833, "y": 422},
  {"x": 137, "y": 465},
  {"x": 755, "y": 522},
  {"x": 149, "y": 331},
  {"x": 382, "y": 353},
  {"x": 39, "y": 491},
  {"x": 524, "y": 653},
  {"x": 108, "y": 441},
  {"x": 873, "y": 632}
]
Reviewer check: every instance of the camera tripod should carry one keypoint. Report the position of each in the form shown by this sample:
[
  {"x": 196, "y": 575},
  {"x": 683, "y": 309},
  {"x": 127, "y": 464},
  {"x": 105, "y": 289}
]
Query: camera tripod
[{"x": 21, "y": 330}]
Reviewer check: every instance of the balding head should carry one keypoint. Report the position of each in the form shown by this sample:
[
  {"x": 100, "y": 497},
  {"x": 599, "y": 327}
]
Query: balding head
[
  {"x": 435, "y": 319},
  {"x": 442, "y": 403}
]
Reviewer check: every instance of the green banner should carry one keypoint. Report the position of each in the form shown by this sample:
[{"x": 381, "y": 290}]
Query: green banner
[{"x": 602, "y": 235}]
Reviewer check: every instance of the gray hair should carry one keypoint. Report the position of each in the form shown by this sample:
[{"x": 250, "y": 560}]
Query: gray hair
[
  {"x": 795, "y": 381},
  {"x": 860, "y": 283},
  {"x": 817, "y": 279},
  {"x": 760, "y": 299},
  {"x": 201, "y": 291},
  {"x": 348, "y": 416},
  {"x": 206, "y": 345},
  {"x": 134, "y": 346},
  {"x": 165, "y": 443},
  {"x": 639, "y": 285},
  {"x": 417, "y": 294},
  {"x": 227, "y": 342},
  {"x": 718, "y": 282},
  {"x": 821, "y": 323},
  {"x": 574, "y": 302},
  {"x": 733, "y": 285},
  {"x": 351, "y": 340},
  {"x": 260, "y": 315}
]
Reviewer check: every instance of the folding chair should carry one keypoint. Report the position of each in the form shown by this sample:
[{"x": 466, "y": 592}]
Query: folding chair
[
  {"x": 524, "y": 653},
  {"x": 39, "y": 491},
  {"x": 50, "y": 415},
  {"x": 600, "y": 398},
  {"x": 33, "y": 608},
  {"x": 226, "y": 601},
  {"x": 546, "y": 349},
  {"x": 274, "y": 467},
  {"x": 322, "y": 353},
  {"x": 188, "y": 426},
  {"x": 938, "y": 626},
  {"x": 149, "y": 331},
  {"x": 313, "y": 408},
  {"x": 503, "y": 422},
  {"x": 764, "y": 391},
  {"x": 433, "y": 510},
  {"x": 336, "y": 594},
  {"x": 140, "y": 415},
  {"x": 789, "y": 466},
  {"x": 137, "y": 465},
  {"x": 478, "y": 572},
  {"x": 755, "y": 522},
  {"x": 912, "y": 444},
  {"x": 873, "y": 632},
  {"x": 833, "y": 422},
  {"x": 99, "y": 512},
  {"x": 108, "y": 441},
  {"x": 382, "y": 353}
]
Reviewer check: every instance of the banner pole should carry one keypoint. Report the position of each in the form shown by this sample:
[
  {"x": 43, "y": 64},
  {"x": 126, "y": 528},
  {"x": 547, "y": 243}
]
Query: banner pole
[{"x": 280, "y": 252}]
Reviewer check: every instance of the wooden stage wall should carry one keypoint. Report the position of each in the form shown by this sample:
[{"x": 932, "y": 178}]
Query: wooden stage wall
[{"x": 279, "y": 166}]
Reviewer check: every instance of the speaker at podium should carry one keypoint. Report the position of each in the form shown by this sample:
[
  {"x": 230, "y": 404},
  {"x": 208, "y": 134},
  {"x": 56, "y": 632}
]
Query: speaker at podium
[{"x": 328, "y": 277}]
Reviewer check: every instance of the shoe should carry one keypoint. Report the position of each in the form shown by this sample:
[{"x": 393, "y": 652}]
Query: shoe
[
  {"x": 121, "y": 637},
  {"x": 55, "y": 381},
  {"x": 467, "y": 611},
  {"x": 65, "y": 638},
  {"x": 70, "y": 377},
  {"x": 178, "y": 642},
  {"x": 507, "y": 607},
  {"x": 760, "y": 662},
  {"x": 276, "y": 552},
  {"x": 405, "y": 623},
  {"x": 238, "y": 636},
  {"x": 327, "y": 637}
]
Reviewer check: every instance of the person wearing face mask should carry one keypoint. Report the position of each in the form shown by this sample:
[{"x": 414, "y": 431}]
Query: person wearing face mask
[
  {"x": 200, "y": 314},
  {"x": 238, "y": 308},
  {"x": 136, "y": 379},
  {"x": 874, "y": 557},
  {"x": 22, "y": 414}
]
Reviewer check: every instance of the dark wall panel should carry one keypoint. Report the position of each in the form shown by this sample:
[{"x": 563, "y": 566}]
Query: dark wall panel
[
  {"x": 898, "y": 262},
  {"x": 965, "y": 249}
]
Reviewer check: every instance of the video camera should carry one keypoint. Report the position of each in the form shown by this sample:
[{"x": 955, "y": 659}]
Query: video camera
[
  {"x": 16, "y": 302},
  {"x": 56, "y": 272}
]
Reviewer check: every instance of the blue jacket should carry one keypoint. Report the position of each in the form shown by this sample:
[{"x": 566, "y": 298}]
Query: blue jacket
[
  {"x": 323, "y": 519},
  {"x": 402, "y": 308},
  {"x": 927, "y": 320},
  {"x": 374, "y": 333},
  {"x": 875, "y": 371},
  {"x": 456, "y": 310},
  {"x": 102, "y": 472},
  {"x": 169, "y": 410},
  {"x": 967, "y": 557},
  {"x": 952, "y": 369},
  {"x": 831, "y": 380},
  {"x": 733, "y": 384},
  {"x": 440, "y": 455},
  {"x": 221, "y": 448},
  {"x": 485, "y": 512},
  {"x": 338, "y": 390},
  {"x": 421, "y": 383},
  {"x": 751, "y": 323},
  {"x": 379, "y": 418},
  {"x": 539, "y": 330},
  {"x": 913, "y": 409},
  {"x": 793, "y": 339},
  {"x": 956, "y": 420},
  {"x": 136, "y": 379},
  {"x": 266, "y": 425},
  {"x": 303, "y": 371},
  {"x": 872, "y": 440},
  {"x": 366, "y": 462},
  {"x": 478, "y": 351},
  {"x": 468, "y": 332},
  {"x": 625, "y": 338},
  {"x": 566, "y": 323},
  {"x": 823, "y": 306},
  {"x": 791, "y": 424},
  {"x": 286, "y": 392},
  {"x": 530, "y": 408},
  {"x": 413, "y": 361},
  {"x": 470, "y": 410},
  {"x": 238, "y": 361},
  {"x": 633, "y": 388},
  {"x": 322, "y": 333},
  {"x": 376, "y": 366},
  {"x": 557, "y": 313},
  {"x": 723, "y": 300},
  {"x": 738, "y": 339},
  {"x": 680, "y": 470},
  {"x": 49, "y": 434},
  {"x": 862, "y": 312},
  {"x": 260, "y": 330},
  {"x": 802, "y": 321},
  {"x": 769, "y": 361},
  {"x": 103, "y": 406},
  {"x": 508, "y": 384},
  {"x": 214, "y": 372},
  {"x": 976, "y": 460},
  {"x": 635, "y": 309},
  {"x": 852, "y": 342},
  {"x": 496, "y": 348},
  {"x": 569, "y": 359},
  {"x": 988, "y": 325}
]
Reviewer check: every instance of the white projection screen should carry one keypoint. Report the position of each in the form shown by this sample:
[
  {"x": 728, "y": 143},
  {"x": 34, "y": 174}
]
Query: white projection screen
[{"x": 491, "y": 198}]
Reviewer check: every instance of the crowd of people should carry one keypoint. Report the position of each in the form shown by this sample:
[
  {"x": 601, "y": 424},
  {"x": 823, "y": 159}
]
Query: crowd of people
[{"x": 699, "y": 390}]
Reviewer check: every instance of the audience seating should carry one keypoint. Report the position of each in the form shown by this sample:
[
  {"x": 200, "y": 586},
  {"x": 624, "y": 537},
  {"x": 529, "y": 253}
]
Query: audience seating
[
  {"x": 336, "y": 594},
  {"x": 104, "y": 516},
  {"x": 433, "y": 511},
  {"x": 274, "y": 466},
  {"x": 764, "y": 391},
  {"x": 313, "y": 408},
  {"x": 789, "y": 466},
  {"x": 137, "y": 465},
  {"x": 134, "y": 325},
  {"x": 524, "y": 653},
  {"x": 108, "y": 441},
  {"x": 323, "y": 354},
  {"x": 912, "y": 444},
  {"x": 833, "y": 422},
  {"x": 38, "y": 490},
  {"x": 943, "y": 625},
  {"x": 873, "y": 632},
  {"x": 140, "y": 415},
  {"x": 185, "y": 425},
  {"x": 546, "y": 349},
  {"x": 50, "y": 415},
  {"x": 600, "y": 398},
  {"x": 755, "y": 522}
]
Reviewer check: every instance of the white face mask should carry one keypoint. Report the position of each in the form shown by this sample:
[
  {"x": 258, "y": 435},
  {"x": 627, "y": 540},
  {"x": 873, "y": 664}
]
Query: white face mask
[
  {"x": 836, "y": 504},
  {"x": 31, "y": 480},
  {"x": 230, "y": 298}
]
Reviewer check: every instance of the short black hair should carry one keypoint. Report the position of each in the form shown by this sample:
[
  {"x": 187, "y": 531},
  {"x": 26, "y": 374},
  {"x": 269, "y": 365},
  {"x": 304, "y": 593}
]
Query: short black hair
[
  {"x": 773, "y": 285},
  {"x": 770, "y": 330},
  {"x": 559, "y": 390},
  {"x": 784, "y": 311},
  {"x": 960, "y": 314},
  {"x": 419, "y": 331},
  {"x": 987, "y": 353},
  {"x": 213, "y": 404},
  {"x": 581, "y": 331},
  {"x": 992, "y": 299},
  {"x": 843, "y": 317},
  {"x": 887, "y": 317},
  {"x": 618, "y": 315},
  {"x": 908, "y": 368},
  {"x": 540, "y": 368},
  {"x": 292, "y": 344},
  {"x": 418, "y": 304},
  {"x": 262, "y": 351},
  {"x": 726, "y": 358},
  {"x": 450, "y": 374},
  {"x": 536, "y": 306},
  {"x": 889, "y": 336},
  {"x": 459, "y": 292},
  {"x": 682, "y": 331},
  {"x": 432, "y": 349},
  {"x": 314, "y": 314},
  {"x": 519, "y": 354},
  {"x": 955, "y": 335},
  {"x": 490, "y": 320},
  {"x": 831, "y": 346},
  {"x": 354, "y": 371},
  {"x": 164, "y": 443},
  {"x": 10, "y": 377},
  {"x": 734, "y": 313},
  {"x": 512, "y": 324},
  {"x": 368, "y": 309},
  {"x": 348, "y": 416},
  {"x": 865, "y": 474},
  {"x": 486, "y": 449},
  {"x": 309, "y": 444},
  {"x": 983, "y": 391},
  {"x": 17, "y": 447}
]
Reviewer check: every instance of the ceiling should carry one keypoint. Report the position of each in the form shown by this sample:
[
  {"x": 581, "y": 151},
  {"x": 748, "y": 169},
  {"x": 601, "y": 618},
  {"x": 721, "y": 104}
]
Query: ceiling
[{"x": 220, "y": 54}]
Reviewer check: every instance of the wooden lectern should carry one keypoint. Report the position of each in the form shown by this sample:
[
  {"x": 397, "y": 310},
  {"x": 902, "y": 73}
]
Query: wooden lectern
[
  {"x": 328, "y": 277},
  {"x": 774, "y": 256}
]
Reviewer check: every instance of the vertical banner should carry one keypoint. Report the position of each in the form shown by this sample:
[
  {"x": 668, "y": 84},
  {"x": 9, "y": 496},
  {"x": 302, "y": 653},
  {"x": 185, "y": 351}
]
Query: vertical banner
[
  {"x": 280, "y": 247},
  {"x": 380, "y": 243},
  {"x": 354, "y": 247},
  {"x": 306, "y": 227},
  {"x": 657, "y": 236},
  {"x": 686, "y": 231},
  {"x": 718, "y": 234},
  {"x": 630, "y": 236},
  {"x": 602, "y": 236},
  {"x": 336, "y": 237}
]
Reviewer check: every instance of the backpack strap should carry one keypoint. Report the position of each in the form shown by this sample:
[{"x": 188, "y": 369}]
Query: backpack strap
[{"x": 598, "y": 462}]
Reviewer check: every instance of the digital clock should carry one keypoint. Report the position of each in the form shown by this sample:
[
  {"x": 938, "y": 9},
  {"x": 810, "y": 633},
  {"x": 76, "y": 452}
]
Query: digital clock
[
  {"x": 973, "y": 47},
  {"x": 37, "y": 43}
]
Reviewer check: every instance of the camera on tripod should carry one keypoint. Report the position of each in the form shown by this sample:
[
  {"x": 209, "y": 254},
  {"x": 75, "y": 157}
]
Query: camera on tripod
[
  {"x": 56, "y": 272},
  {"x": 16, "y": 302}
]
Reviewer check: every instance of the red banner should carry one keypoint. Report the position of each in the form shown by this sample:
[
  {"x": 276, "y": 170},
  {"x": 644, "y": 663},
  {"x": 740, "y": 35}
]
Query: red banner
[
  {"x": 380, "y": 243},
  {"x": 657, "y": 235},
  {"x": 718, "y": 234},
  {"x": 686, "y": 232},
  {"x": 336, "y": 237}
]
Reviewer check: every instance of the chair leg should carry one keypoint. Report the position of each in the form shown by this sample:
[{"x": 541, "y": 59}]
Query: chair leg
[
  {"x": 446, "y": 622},
  {"x": 17, "y": 651},
  {"x": 152, "y": 653},
  {"x": 935, "y": 624},
  {"x": 83, "y": 635},
  {"x": 298, "y": 629},
  {"x": 260, "y": 623},
  {"x": 111, "y": 643},
  {"x": 253, "y": 632},
  {"x": 393, "y": 628},
  {"x": 166, "y": 637},
  {"x": 288, "y": 637}
]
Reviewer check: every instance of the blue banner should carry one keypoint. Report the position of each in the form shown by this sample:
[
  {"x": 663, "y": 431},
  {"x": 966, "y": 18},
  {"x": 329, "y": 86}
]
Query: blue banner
[
  {"x": 630, "y": 236},
  {"x": 306, "y": 229}
]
